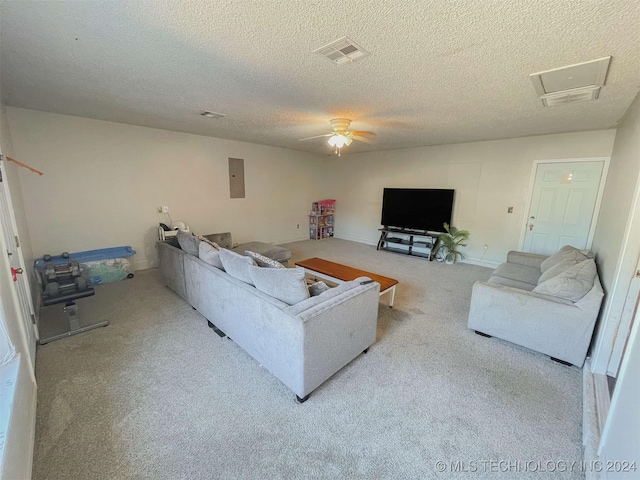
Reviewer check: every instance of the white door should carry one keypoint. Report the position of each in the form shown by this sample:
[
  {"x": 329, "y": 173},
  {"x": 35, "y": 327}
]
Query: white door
[
  {"x": 631, "y": 303},
  {"x": 16, "y": 261},
  {"x": 619, "y": 445},
  {"x": 562, "y": 206}
]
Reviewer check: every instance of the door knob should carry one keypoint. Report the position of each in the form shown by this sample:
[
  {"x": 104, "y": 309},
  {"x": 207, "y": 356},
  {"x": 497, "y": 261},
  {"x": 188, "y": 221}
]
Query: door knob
[{"x": 15, "y": 272}]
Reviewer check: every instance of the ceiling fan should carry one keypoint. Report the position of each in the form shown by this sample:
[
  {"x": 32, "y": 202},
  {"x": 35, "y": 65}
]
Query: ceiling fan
[{"x": 341, "y": 136}]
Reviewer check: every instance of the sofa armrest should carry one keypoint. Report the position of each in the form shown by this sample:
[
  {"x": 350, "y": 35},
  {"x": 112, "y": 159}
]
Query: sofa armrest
[
  {"x": 527, "y": 259},
  {"x": 314, "y": 305},
  {"x": 548, "y": 325},
  {"x": 336, "y": 330},
  {"x": 171, "y": 266}
]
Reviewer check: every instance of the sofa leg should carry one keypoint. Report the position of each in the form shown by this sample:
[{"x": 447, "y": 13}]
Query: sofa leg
[
  {"x": 303, "y": 399},
  {"x": 561, "y": 362},
  {"x": 482, "y": 334},
  {"x": 365, "y": 350},
  {"x": 216, "y": 329}
]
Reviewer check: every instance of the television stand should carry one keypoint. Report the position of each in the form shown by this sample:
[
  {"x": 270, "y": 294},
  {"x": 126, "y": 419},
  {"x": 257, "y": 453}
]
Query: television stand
[{"x": 417, "y": 243}]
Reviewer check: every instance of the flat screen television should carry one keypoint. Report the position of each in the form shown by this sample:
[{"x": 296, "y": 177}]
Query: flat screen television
[{"x": 417, "y": 208}]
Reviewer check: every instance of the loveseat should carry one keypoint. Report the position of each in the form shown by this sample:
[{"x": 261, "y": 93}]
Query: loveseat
[
  {"x": 549, "y": 304},
  {"x": 302, "y": 343}
]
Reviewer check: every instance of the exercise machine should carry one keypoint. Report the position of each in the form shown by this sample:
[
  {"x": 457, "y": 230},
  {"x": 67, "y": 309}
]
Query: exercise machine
[{"x": 62, "y": 283}]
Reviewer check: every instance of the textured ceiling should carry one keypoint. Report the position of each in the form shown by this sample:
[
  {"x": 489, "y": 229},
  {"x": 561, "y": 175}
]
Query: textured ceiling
[{"x": 439, "y": 71}]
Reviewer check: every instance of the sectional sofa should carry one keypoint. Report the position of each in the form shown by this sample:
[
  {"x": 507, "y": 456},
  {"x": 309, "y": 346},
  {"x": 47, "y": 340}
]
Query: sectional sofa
[{"x": 302, "y": 343}]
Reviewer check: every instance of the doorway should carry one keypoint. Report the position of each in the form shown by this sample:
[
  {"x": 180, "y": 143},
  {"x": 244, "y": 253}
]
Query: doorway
[
  {"x": 563, "y": 205},
  {"x": 17, "y": 263}
]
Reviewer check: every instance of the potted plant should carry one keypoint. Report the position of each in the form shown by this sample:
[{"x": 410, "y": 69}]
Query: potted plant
[{"x": 449, "y": 243}]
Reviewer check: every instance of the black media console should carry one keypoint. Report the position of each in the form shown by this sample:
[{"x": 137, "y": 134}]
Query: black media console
[{"x": 417, "y": 243}]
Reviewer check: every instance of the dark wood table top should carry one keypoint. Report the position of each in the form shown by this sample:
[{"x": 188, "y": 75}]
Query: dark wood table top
[{"x": 343, "y": 272}]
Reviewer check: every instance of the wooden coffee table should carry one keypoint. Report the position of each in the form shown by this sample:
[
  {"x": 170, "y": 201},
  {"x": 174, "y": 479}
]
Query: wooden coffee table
[{"x": 338, "y": 273}]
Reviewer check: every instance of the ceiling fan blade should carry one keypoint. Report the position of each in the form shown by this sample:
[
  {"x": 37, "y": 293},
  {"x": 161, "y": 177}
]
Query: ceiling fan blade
[
  {"x": 361, "y": 138},
  {"x": 362, "y": 133},
  {"x": 317, "y": 136}
]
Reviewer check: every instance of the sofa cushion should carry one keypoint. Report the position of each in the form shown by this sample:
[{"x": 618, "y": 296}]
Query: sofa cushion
[
  {"x": 509, "y": 282},
  {"x": 274, "y": 252},
  {"x": 565, "y": 253},
  {"x": 520, "y": 273},
  {"x": 188, "y": 242},
  {"x": 210, "y": 253},
  {"x": 221, "y": 239},
  {"x": 560, "y": 267},
  {"x": 237, "y": 265},
  {"x": 572, "y": 284},
  {"x": 209, "y": 241},
  {"x": 285, "y": 284},
  {"x": 263, "y": 261}
]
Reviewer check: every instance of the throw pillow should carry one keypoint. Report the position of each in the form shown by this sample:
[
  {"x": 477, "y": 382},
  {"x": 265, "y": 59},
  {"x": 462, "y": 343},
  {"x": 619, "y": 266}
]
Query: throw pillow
[
  {"x": 263, "y": 261},
  {"x": 285, "y": 284},
  {"x": 565, "y": 253},
  {"x": 557, "y": 269},
  {"x": 188, "y": 242},
  {"x": 572, "y": 284},
  {"x": 210, "y": 254},
  {"x": 316, "y": 288},
  {"x": 236, "y": 265},
  {"x": 210, "y": 242}
]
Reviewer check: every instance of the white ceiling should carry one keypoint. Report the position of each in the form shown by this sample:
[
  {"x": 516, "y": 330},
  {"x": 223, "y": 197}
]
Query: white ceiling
[{"x": 439, "y": 71}]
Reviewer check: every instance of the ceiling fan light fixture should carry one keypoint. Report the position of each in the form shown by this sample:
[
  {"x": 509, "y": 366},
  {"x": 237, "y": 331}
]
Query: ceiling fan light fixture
[{"x": 338, "y": 140}]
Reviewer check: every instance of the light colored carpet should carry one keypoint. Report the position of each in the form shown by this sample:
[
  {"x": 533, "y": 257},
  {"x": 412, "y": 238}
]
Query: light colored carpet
[{"x": 157, "y": 395}]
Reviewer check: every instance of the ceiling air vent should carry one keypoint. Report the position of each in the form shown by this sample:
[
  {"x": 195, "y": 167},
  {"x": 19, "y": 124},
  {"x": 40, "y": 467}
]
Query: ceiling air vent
[
  {"x": 575, "y": 83},
  {"x": 576, "y": 95},
  {"x": 210, "y": 114},
  {"x": 342, "y": 51}
]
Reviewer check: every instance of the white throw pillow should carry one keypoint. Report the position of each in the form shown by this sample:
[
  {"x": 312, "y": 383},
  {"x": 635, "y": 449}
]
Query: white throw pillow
[
  {"x": 572, "y": 284},
  {"x": 285, "y": 284},
  {"x": 565, "y": 253},
  {"x": 556, "y": 270},
  {"x": 210, "y": 254},
  {"x": 263, "y": 261},
  {"x": 236, "y": 265}
]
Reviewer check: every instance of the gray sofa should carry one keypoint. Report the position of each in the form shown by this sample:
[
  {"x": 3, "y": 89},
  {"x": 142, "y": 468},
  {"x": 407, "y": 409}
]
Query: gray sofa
[
  {"x": 301, "y": 344},
  {"x": 547, "y": 304},
  {"x": 172, "y": 266}
]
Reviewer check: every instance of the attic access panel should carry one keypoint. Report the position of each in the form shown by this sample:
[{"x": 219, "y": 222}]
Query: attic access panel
[{"x": 590, "y": 74}]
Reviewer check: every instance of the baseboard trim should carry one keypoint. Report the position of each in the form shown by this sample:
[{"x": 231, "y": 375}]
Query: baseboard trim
[
  {"x": 358, "y": 240},
  {"x": 472, "y": 261},
  {"x": 595, "y": 407},
  {"x": 290, "y": 240},
  {"x": 144, "y": 264},
  {"x": 481, "y": 263}
]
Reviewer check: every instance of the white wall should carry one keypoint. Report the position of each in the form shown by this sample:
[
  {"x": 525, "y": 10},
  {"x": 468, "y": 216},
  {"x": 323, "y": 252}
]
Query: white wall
[
  {"x": 103, "y": 181},
  {"x": 488, "y": 178},
  {"x": 617, "y": 238}
]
